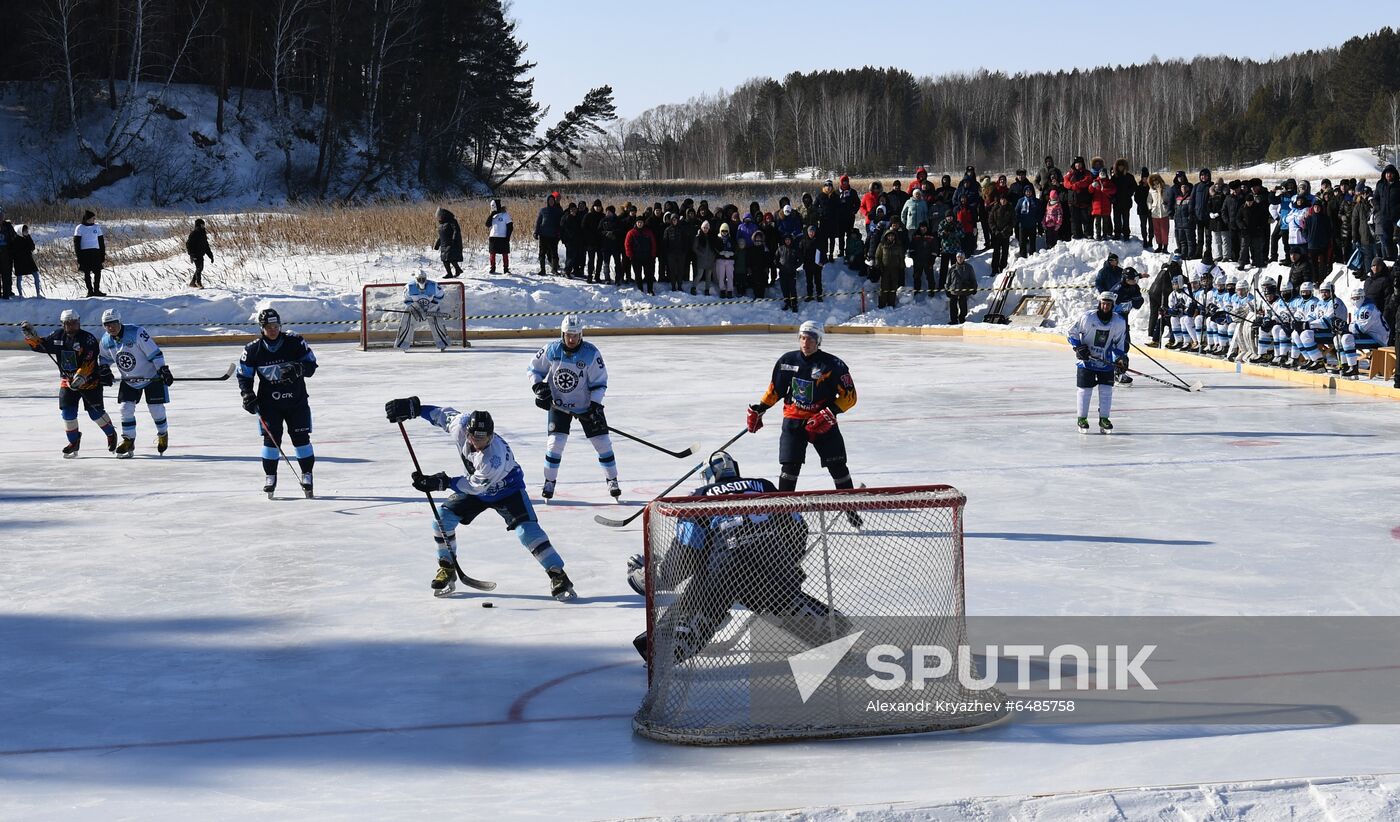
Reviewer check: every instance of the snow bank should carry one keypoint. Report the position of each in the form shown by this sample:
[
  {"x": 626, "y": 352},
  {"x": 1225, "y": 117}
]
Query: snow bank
[{"x": 1360, "y": 163}]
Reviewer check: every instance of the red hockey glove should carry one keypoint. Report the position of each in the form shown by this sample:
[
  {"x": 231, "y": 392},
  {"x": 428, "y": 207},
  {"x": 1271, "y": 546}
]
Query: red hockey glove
[
  {"x": 755, "y": 418},
  {"x": 820, "y": 423}
]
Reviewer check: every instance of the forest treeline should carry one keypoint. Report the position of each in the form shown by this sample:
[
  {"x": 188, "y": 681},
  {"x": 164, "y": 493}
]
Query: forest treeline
[{"x": 1205, "y": 111}]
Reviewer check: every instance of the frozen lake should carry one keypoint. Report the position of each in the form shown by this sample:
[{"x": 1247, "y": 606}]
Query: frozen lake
[{"x": 177, "y": 646}]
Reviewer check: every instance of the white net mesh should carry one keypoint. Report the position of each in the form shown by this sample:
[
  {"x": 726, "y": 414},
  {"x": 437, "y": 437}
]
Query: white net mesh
[
  {"x": 382, "y": 312},
  {"x": 738, "y": 586}
]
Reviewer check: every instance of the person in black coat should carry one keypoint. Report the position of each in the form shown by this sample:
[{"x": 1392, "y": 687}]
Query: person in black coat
[
  {"x": 449, "y": 244},
  {"x": 1125, "y": 186},
  {"x": 1157, "y": 300},
  {"x": 197, "y": 246},
  {"x": 7, "y": 239},
  {"x": 1200, "y": 211},
  {"x": 1144, "y": 214},
  {"x": 22, "y": 257},
  {"x": 1386, "y": 206},
  {"x": 593, "y": 242},
  {"x": 547, "y": 226}
]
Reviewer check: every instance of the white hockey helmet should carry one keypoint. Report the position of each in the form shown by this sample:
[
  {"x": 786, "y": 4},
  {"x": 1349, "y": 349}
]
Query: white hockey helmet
[
  {"x": 1306, "y": 287},
  {"x": 1108, "y": 297},
  {"x": 67, "y": 314},
  {"x": 421, "y": 276},
  {"x": 1325, "y": 288},
  {"x": 111, "y": 315},
  {"x": 1242, "y": 286},
  {"x": 1358, "y": 293},
  {"x": 571, "y": 325},
  {"x": 814, "y": 328}
]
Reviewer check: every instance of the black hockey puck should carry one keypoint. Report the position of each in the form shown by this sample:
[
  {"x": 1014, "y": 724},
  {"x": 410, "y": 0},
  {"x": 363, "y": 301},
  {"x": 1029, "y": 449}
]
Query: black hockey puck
[{"x": 487, "y": 605}]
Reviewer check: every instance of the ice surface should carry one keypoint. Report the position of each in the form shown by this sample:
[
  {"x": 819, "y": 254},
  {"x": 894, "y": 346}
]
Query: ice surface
[{"x": 177, "y": 646}]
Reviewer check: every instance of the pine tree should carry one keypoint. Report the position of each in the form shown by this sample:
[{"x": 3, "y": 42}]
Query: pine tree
[{"x": 556, "y": 153}]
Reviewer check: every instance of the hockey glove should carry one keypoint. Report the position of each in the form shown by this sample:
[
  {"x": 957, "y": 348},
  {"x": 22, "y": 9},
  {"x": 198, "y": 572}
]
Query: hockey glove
[
  {"x": 1338, "y": 326},
  {"x": 593, "y": 417},
  {"x": 542, "y": 395},
  {"x": 28, "y": 329},
  {"x": 820, "y": 423},
  {"x": 755, "y": 417},
  {"x": 289, "y": 371},
  {"x": 250, "y": 403},
  {"x": 1220, "y": 318},
  {"x": 402, "y": 409},
  {"x": 1121, "y": 365},
  {"x": 104, "y": 375},
  {"x": 165, "y": 375},
  {"x": 1082, "y": 352},
  {"x": 77, "y": 382},
  {"x": 434, "y": 482}
]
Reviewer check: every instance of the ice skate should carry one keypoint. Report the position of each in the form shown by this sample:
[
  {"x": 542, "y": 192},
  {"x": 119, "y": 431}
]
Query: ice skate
[
  {"x": 162, "y": 443},
  {"x": 1083, "y": 423},
  {"x": 126, "y": 449},
  {"x": 112, "y": 441},
  {"x": 446, "y": 580},
  {"x": 1105, "y": 426},
  {"x": 269, "y": 485},
  {"x": 306, "y": 487},
  {"x": 548, "y": 490},
  {"x": 71, "y": 449},
  {"x": 613, "y": 488},
  {"x": 559, "y": 585}
]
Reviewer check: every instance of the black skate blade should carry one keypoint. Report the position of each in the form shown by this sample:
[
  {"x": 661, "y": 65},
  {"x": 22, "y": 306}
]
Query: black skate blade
[
  {"x": 310, "y": 494},
  {"x": 566, "y": 596}
]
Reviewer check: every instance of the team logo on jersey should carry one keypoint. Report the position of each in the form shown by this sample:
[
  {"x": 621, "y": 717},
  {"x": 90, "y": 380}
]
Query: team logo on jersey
[
  {"x": 565, "y": 381},
  {"x": 126, "y": 362},
  {"x": 803, "y": 392},
  {"x": 1100, "y": 337}
]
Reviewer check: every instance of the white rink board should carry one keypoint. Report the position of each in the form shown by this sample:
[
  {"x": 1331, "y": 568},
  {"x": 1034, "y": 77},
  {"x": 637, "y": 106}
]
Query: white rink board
[{"x": 173, "y": 645}]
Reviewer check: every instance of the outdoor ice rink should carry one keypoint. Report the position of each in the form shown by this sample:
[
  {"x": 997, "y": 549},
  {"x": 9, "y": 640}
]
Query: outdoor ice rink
[{"x": 173, "y": 645}]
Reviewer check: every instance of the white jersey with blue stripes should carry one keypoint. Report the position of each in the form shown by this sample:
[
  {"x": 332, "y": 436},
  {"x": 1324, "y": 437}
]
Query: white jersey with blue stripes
[{"x": 576, "y": 379}]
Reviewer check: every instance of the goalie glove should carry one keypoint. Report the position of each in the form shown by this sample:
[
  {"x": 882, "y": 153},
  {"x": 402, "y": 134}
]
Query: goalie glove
[
  {"x": 1120, "y": 365},
  {"x": 1082, "y": 352},
  {"x": 433, "y": 482},
  {"x": 820, "y": 423},
  {"x": 165, "y": 375},
  {"x": 402, "y": 409},
  {"x": 543, "y": 398},
  {"x": 250, "y": 403},
  {"x": 754, "y": 420}
]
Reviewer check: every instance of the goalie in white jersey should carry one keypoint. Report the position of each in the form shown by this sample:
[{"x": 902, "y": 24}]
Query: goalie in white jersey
[
  {"x": 1099, "y": 339},
  {"x": 422, "y": 299},
  {"x": 570, "y": 380}
]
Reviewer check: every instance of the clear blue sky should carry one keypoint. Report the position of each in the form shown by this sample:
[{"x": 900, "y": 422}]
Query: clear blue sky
[{"x": 669, "y": 51}]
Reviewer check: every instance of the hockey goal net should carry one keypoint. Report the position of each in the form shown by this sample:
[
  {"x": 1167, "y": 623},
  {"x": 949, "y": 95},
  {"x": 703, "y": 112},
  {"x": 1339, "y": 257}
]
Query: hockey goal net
[
  {"x": 761, "y": 610},
  {"x": 382, "y": 310}
]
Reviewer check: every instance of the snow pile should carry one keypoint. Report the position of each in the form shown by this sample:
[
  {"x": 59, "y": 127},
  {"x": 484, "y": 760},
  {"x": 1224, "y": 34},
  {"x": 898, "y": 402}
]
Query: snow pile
[{"x": 1359, "y": 163}]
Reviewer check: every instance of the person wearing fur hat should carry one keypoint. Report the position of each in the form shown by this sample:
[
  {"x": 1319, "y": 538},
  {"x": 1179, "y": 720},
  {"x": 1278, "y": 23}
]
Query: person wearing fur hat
[
  {"x": 22, "y": 253},
  {"x": 1076, "y": 182},
  {"x": 90, "y": 246}
]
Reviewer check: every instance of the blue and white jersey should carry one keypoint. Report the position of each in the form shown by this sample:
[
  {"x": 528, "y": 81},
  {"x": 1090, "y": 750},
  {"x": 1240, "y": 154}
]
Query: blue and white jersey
[
  {"x": 492, "y": 473},
  {"x": 1177, "y": 303},
  {"x": 134, "y": 353},
  {"x": 426, "y": 297},
  {"x": 1302, "y": 308},
  {"x": 1367, "y": 323},
  {"x": 1106, "y": 340},
  {"x": 1324, "y": 312},
  {"x": 1200, "y": 298},
  {"x": 576, "y": 378},
  {"x": 1278, "y": 311}
]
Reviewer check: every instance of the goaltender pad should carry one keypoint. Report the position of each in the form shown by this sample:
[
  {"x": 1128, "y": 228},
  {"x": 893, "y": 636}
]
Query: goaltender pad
[
  {"x": 382, "y": 308},
  {"x": 747, "y": 595}
]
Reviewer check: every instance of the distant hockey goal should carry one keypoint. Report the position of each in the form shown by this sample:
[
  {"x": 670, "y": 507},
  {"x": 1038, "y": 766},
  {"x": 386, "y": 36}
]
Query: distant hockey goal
[
  {"x": 382, "y": 310},
  {"x": 761, "y": 609}
]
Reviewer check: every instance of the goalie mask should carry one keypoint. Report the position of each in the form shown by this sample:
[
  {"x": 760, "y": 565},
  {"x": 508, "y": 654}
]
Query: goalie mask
[
  {"x": 421, "y": 276},
  {"x": 721, "y": 467}
]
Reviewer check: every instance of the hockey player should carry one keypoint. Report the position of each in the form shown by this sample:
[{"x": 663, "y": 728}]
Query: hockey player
[
  {"x": 1367, "y": 329},
  {"x": 143, "y": 374},
  {"x": 570, "y": 380},
  {"x": 1099, "y": 340},
  {"x": 1181, "y": 330},
  {"x": 1275, "y": 323},
  {"x": 1202, "y": 286},
  {"x": 1129, "y": 297},
  {"x": 754, "y": 560},
  {"x": 1303, "y": 307},
  {"x": 1243, "y": 345},
  {"x": 493, "y": 481},
  {"x": 814, "y": 387},
  {"x": 79, "y": 377},
  {"x": 1217, "y": 305},
  {"x": 281, "y": 360},
  {"x": 422, "y": 300}
]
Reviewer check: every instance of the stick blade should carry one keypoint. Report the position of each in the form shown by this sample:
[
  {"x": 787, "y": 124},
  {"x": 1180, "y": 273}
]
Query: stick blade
[
  {"x": 612, "y": 523},
  {"x": 478, "y": 584},
  {"x": 1197, "y": 386}
]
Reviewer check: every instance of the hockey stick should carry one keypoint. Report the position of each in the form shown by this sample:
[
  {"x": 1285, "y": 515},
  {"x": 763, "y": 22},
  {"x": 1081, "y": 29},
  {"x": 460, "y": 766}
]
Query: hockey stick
[
  {"x": 1184, "y": 383},
  {"x": 268, "y": 431},
  {"x": 479, "y": 584},
  {"x": 221, "y": 378},
  {"x": 689, "y": 449},
  {"x": 1193, "y": 387},
  {"x": 618, "y": 523}
]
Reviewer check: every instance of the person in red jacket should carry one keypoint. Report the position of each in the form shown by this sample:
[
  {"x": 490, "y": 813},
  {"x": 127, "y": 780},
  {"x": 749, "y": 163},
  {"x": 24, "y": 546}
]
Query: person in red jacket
[
  {"x": 870, "y": 200},
  {"x": 1076, "y": 182},
  {"x": 1101, "y": 191},
  {"x": 640, "y": 246}
]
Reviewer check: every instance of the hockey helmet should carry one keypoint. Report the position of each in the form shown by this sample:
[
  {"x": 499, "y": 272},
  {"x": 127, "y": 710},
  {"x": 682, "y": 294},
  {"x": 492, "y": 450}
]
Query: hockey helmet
[
  {"x": 1358, "y": 293},
  {"x": 67, "y": 315},
  {"x": 111, "y": 315},
  {"x": 721, "y": 467},
  {"x": 1242, "y": 286},
  {"x": 814, "y": 328},
  {"x": 1268, "y": 281},
  {"x": 1178, "y": 281},
  {"x": 480, "y": 424},
  {"x": 1306, "y": 288},
  {"x": 1108, "y": 297},
  {"x": 421, "y": 276},
  {"x": 571, "y": 325},
  {"x": 1285, "y": 287},
  {"x": 268, "y": 316},
  {"x": 1325, "y": 288}
]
